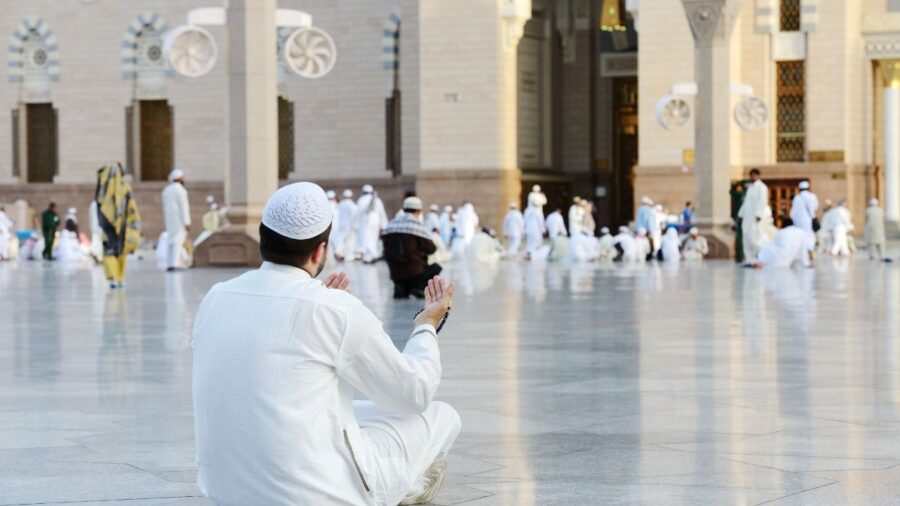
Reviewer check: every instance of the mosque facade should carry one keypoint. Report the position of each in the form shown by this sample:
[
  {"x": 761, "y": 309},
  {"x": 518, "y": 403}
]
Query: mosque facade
[{"x": 472, "y": 100}]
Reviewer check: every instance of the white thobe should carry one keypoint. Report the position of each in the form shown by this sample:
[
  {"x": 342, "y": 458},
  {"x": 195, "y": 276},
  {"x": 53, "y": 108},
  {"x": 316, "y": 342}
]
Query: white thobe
[
  {"x": 538, "y": 200},
  {"x": 671, "y": 246},
  {"x": 695, "y": 248},
  {"x": 432, "y": 221},
  {"x": 644, "y": 218},
  {"x": 840, "y": 224},
  {"x": 370, "y": 221},
  {"x": 484, "y": 249},
  {"x": 790, "y": 246},
  {"x": 629, "y": 246},
  {"x": 756, "y": 202},
  {"x": 606, "y": 248},
  {"x": 177, "y": 214},
  {"x": 576, "y": 219},
  {"x": 534, "y": 230},
  {"x": 513, "y": 228},
  {"x": 641, "y": 247},
  {"x": 277, "y": 357},
  {"x": 874, "y": 234},
  {"x": 657, "y": 219},
  {"x": 555, "y": 225},
  {"x": 446, "y": 227},
  {"x": 466, "y": 223},
  {"x": 343, "y": 234},
  {"x": 6, "y": 226},
  {"x": 803, "y": 210}
]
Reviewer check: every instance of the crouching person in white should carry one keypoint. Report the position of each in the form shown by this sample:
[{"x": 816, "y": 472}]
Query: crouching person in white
[{"x": 277, "y": 356}]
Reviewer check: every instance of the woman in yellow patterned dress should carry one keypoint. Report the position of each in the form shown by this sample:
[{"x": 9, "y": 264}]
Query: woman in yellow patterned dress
[{"x": 119, "y": 220}]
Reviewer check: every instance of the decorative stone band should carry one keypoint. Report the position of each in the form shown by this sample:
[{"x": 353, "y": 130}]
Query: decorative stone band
[
  {"x": 16, "y": 48},
  {"x": 141, "y": 22},
  {"x": 883, "y": 46},
  {"x": 390, "y": 42}
]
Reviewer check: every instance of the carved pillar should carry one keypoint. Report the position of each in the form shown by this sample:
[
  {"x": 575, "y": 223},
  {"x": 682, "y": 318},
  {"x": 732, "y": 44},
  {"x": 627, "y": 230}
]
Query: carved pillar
[
  {"x": 711, "y": 23},
  {"x": 890, "y": 72}
]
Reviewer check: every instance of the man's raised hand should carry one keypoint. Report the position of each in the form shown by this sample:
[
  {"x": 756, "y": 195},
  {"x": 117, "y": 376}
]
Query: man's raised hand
[
  {"x": 338, "y": 281},
  {"x": 438, "y": 298}
]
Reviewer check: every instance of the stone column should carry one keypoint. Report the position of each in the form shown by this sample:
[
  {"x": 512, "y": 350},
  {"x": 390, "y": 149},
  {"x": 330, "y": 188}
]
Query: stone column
[
  {"x": 890, "y": 71},
  {"x": 467, "y": 104},
  {"x": 252, "y": 115},
  {"x": 711, "y": 23}
]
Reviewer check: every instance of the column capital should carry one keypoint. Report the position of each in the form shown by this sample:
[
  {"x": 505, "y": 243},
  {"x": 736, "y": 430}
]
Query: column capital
[
  {"x": 890, "y": 72},
  {"x": 711, "y": 20}
]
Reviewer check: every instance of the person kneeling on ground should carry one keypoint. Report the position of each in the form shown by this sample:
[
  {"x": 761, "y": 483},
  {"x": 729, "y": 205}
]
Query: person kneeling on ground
[
  {"x": 277, "y": 357},
  {"x": 790, "y": 247},
  {"x": 407, "y": 244}
]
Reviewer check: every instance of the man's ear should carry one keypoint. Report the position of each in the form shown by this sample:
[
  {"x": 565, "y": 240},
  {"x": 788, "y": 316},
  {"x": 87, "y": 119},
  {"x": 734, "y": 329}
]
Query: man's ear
[{"x": 318, "y": 254}]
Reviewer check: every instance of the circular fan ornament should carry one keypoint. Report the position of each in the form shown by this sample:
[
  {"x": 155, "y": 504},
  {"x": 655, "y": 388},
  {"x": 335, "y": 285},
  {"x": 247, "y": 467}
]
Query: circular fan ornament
[
  {"x": 310, "y": 53},
  {"x": 672, "y": 112},
  {"x": 190, "y": 50},
  {"x": 751, "y": 113}
]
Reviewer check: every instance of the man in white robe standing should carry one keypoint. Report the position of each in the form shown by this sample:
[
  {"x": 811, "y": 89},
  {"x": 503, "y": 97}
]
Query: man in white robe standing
[
  {"x": 874, "y": 235},
  {"x": 576, "y": 217},
  {"x": 513, "y": 228},
  {"x": 556, "y": 232},
  {"x": 655, "y": 232},
  {"x": 790, "y": 247},
  {"x": 177, "y": 214},
  {"x": 433, "y": 220},
  {"x": 446, "y": 225},
  {"x": 803, "y": 212},
  {"x": 467, "y": 222},
  {"x": 370, "y": 221},
  {"x": 840, "y": 226},
  {"x": 344, "y": 231},
  {"x": 277, "y": 357},
  {"x": 6, "y": 228},
  {"x": 534, "y": 232},
  {"x": 756, "y": 202},
  {"x": 537, "y": 198}
]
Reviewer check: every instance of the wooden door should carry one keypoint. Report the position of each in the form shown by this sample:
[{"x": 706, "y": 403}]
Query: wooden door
[
  {"x": 781, "y": 192},
  {"x": 285, "y": 137},
  {"x": 625, "y": 149},
  {"x": 156, "y": 153},
  {"x": 41, "y": 143}
]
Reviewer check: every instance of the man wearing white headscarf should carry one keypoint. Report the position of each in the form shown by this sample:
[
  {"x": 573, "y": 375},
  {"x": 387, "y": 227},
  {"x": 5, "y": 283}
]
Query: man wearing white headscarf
[
  {"x": 803, "y": 213},
  {"x": 534, "y": 231},
  {"x": 874, "y": 235},
  {"x": 537, "y": 198},
  {"x": 433, "y": 220},
  {"x": 177, "y": 214},
  {"x": 446, "y": 225},
  {"x": 343, "y": 232},
  {"x": 695, "y": 245},
  {"x": 626, "y": 243},
  {"x": 513, "y": 228},
  {"x": 278, "y": 355},
  {"x": 6, "y": 227},
  {"x": 371, "y": 219},
  {"x": 751, "y": 213},
  {"x": 576, "y": 217}
]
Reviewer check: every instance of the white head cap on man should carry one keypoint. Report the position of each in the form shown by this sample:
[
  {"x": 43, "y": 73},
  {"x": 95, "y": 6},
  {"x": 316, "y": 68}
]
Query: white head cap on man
[
  {"x": 647, "y": 201},
  {"x": 536, "y": 188},
  {"x": 604, "y": 231},
  {"x": 348, "y": 194},
  {"x": 367, "y": 189},
  {"x": 331, "y": 195},
  {"x": 434, "y": 208},
  {"x": 298, "y": 211},
  {"x": 624, "y": 230},
  {"x": 72, "y": 210},
  {"x": 448, "y": 209},
  {"x": 210, "y": 199},
  {"x": 804, "y": 185},
  {"x": 513, "y": 205},
  {"x": 694, "y": 231},
  {"x": 412, "y": 204},
  {"x": 176, "y": 175},
  {"x": 873, "y": 203}
]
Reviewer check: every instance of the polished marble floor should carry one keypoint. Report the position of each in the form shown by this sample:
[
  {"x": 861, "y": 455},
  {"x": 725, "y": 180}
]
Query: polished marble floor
[{"x": 690, "y": 384}]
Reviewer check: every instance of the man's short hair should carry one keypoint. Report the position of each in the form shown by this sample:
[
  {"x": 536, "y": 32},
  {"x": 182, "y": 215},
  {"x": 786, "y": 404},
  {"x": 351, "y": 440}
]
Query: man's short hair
[
  {"x": 276, "y": 248},
  {"x": 755, "y": 172}
]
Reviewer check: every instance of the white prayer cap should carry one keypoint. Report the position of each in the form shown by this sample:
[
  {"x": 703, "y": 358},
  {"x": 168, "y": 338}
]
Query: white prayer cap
[
  {"x": 210, "y": 199},
  {"x": 623, "y": 229},
  {"x": 873, "y": 202},
  {"x": 214, "y": 206},
  {"x": 604, "y": 230},
  {"x": 658, "y": 207},
  {"x": 536, "y": 188},
  {"x": 413, "y": 203},
  {"x": 367, "y": 188},
  {"x": 694, "y": 231},
  {"x": 646, "y": 200},
  {"x": 331, "y": 195},
  {"x": 175, "y": 175},
  {"x": 804, "y": 185},
  {"x": 72, "y": 210},
  {"x": 513, "y": 205},
  {"x": 434, "y": 207},
  {"x": 298, "y": 211},
  {"x": 347, "y": 194},
  {"x": 448, "y": 208}
]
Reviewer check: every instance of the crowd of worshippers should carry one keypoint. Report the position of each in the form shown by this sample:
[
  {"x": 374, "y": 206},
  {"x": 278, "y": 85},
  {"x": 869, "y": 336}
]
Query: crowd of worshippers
[{"x": 806, "y": 231}]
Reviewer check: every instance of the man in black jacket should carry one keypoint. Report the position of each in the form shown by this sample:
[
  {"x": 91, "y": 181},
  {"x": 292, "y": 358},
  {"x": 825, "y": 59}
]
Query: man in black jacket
[{"x": 407, "y": 244}]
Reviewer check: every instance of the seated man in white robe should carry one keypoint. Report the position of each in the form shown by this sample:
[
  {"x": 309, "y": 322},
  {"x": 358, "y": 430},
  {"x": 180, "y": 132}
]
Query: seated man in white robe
[
  {"x": 643, "y": 249},
  {"x": 626, "y": 244},
  {"x": 556, "y": 231},
  {"x": 277, "y": 357},
  {"x": 790, "y": 247},
  {"x": 484, "y": 248},
  {"x": 695, "y": 246},
  {"x": 671, "y": 245},
  {"x": 606, "y": 248}
]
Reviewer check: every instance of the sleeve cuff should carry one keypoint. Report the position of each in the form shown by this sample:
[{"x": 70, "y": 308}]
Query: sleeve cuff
[{"x": 424, "y": 329}]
